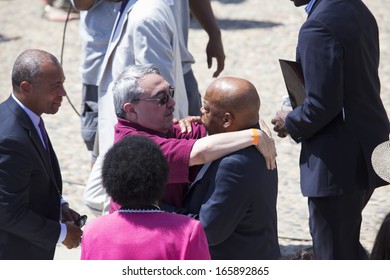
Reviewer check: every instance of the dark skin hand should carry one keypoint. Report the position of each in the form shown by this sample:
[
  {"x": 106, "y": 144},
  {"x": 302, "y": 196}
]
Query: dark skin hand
[
  {"x": 73, "y": 236},
  {"x": 279, "y": 122},
  {"x": 74, "y": 233}
]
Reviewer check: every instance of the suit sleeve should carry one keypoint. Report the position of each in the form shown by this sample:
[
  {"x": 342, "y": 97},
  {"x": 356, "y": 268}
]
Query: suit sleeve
[
  {"x": 16, "y": 172},
  {"x": 321, "y": 56},
  {"x": 225, "y": 208}
]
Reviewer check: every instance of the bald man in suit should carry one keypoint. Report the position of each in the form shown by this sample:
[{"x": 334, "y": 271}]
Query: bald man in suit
[{"x": 235, "y": 196}]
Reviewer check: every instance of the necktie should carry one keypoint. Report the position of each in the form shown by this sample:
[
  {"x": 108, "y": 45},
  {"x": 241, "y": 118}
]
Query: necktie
[{"x": 41, "y": 126}]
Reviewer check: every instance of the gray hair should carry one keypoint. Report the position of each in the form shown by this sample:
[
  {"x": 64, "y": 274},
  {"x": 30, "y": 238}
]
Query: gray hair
[
  {"x": 28, "y": 66},
  {"x": 126, "y": 87}
]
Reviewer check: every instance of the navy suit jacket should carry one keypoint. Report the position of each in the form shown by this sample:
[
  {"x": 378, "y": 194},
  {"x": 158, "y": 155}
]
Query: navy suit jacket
[
  {"x": 236, "y": 201},
  {"x": 30, "y": 189},
  {"x": 342, "y": 119}
]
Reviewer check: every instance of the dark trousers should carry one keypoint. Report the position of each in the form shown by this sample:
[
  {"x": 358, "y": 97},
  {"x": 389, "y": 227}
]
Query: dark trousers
[{"x": 335, "y": 226}]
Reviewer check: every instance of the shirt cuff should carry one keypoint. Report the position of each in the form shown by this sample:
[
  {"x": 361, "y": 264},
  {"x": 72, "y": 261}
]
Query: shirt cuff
[{"x": 63, "y": 233}]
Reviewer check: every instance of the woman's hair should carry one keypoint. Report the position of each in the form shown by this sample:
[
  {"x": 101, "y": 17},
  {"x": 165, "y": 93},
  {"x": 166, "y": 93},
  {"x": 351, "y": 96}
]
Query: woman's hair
[
  {"x": 381, "y": 248},
  {"x": 135, "y": 171}
]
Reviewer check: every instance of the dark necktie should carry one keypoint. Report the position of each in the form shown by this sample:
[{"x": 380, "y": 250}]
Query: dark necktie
[{"x": 41, "y": 126}]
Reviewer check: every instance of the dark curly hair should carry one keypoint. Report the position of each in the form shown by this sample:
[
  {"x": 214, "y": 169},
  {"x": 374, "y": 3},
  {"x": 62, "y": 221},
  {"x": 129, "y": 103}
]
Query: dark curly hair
[{"x": 135, "y": 171}]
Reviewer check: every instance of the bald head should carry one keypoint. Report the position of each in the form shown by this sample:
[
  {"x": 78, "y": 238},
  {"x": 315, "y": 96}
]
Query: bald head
[{"x": 233, "y": 102}]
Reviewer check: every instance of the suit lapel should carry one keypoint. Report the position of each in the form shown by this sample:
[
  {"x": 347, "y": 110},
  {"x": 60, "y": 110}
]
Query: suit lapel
[
  {"x": 314, "y": 7},
  {"x": 198, "y": 178},
  {"x": 26, "y": 122}
]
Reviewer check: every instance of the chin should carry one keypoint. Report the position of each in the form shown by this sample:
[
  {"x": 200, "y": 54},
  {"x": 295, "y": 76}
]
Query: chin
[{"x": 299, "y": 3}]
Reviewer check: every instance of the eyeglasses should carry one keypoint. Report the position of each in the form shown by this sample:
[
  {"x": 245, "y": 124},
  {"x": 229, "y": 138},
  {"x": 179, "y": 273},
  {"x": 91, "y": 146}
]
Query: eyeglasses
[{"x": 160, "y": 101}]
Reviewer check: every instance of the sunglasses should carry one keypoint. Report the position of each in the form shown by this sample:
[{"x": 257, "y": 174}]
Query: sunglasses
[{"x": 160, "y": 101}]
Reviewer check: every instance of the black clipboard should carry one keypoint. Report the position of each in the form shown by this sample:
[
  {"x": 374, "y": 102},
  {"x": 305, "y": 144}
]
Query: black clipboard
[{"x": 295, "y": 83}]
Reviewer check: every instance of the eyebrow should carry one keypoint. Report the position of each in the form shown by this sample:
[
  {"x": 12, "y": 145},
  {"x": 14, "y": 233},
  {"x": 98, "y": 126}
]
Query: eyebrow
[{"x": 162, "y": 92}]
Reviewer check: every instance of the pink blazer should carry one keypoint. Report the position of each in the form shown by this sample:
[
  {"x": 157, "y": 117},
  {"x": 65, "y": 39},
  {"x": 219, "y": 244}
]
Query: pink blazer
[{"x": 144, "y": 236}]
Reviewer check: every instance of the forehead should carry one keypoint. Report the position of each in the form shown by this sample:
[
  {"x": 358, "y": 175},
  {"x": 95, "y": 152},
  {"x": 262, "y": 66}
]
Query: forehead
[
  {"x": 51, "y": 71},
  {"x": 153, "y": 83}
]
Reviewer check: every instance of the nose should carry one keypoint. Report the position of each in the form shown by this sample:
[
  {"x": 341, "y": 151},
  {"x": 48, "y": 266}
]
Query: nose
[
  {"x": 171, "y": 102},
  {"x": 62, "y": 91},
  {"x": 201, "y": 110}
]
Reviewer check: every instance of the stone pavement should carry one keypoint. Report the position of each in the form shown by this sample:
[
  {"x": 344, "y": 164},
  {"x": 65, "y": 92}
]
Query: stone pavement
[{"x": 255, "y": 35}]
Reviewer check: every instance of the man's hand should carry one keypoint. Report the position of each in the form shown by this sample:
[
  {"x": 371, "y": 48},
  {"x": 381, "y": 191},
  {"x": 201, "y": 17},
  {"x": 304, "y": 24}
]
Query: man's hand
[
  {"x": 215, "y": 49},
  {"x": 186, "y": 123},
  {"x": 279, "y": 122},
  {"x": 68, "y": 214},
  {"x": 73, "y": 236},
  {"x": 266, "y": 147}
]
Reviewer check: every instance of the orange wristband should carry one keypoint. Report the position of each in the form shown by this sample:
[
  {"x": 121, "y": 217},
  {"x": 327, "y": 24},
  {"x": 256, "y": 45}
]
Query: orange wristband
[{"x": 255, "y": 136}]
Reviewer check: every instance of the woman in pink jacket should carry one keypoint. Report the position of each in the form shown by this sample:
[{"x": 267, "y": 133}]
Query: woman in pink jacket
[{"x": 134, "y": 174}]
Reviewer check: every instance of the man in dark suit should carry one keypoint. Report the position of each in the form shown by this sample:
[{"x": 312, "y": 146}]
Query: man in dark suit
[
  {"x": 31, "y": 202},
  {"x": 340, "y": 122},
  {"x": 235, "y": 196}
]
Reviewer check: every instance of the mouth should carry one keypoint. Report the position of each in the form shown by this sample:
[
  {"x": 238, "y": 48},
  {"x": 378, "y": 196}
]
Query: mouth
[{"x": 170, "y": 112}]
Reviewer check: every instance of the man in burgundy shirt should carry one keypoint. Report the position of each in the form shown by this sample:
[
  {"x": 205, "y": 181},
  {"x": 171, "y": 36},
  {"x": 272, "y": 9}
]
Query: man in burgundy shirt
[{"x": 144, "y": 106}]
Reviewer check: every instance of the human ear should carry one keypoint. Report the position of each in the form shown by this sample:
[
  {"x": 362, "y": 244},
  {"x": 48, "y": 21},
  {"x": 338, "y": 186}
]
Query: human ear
[{"x": 227, "y": 120}]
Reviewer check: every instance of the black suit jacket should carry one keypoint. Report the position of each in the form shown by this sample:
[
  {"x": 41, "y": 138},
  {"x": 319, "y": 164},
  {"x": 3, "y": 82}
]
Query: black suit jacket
[
  {"x": 236, "y": 201},
  {"x": 30, "y": 189},
  {"x": 342, "y": 119}
]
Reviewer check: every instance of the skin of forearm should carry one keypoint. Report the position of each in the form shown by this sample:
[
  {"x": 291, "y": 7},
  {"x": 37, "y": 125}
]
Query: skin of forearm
[
  {"x": 215, "y": 146},
  {"x": 203, "y": 12}
]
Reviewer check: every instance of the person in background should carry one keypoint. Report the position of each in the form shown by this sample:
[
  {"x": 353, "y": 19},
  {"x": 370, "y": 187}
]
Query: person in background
[
  {"x": 340, "y": 122},
  {"x": 54, "y": 10},
  {"x": 34, "y": 217},
  {"x": 235, "y": 196},
  {"x": 203, "y": 12},
  {"x": 97, "y": 17},
  {"x": 134, "y": 173}
]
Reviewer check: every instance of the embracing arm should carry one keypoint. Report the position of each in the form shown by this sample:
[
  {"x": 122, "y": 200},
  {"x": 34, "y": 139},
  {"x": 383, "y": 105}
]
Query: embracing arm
[{"x": 213, "y": 147}]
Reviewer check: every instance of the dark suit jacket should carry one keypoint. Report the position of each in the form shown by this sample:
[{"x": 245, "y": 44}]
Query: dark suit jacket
[
  {"x": 342, "y": 119},
  {"x": 30, "y": 189},
  {"x": 236, "y": 202}
]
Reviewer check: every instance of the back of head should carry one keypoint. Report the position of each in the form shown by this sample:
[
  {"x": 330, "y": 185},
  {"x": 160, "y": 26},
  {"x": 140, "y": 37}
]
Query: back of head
[
  {"x": 381, "y": 248},
  {"x": 27, "y": 66},
  {"x": 134, "y": 172},
  {"x": 238, "y": 97}
]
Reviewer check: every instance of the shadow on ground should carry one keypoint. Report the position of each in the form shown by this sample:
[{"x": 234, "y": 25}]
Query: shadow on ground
[{"x": 232, "y": 24}]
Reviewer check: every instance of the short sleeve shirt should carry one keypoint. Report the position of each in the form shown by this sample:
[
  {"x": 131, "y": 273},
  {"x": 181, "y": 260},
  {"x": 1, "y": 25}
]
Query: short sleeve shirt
[{"x": 176, "y": 146}]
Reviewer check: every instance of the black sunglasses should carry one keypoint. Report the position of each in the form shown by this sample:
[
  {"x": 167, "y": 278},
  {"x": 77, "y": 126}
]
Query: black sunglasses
[{"x": 160, "y": 101}]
